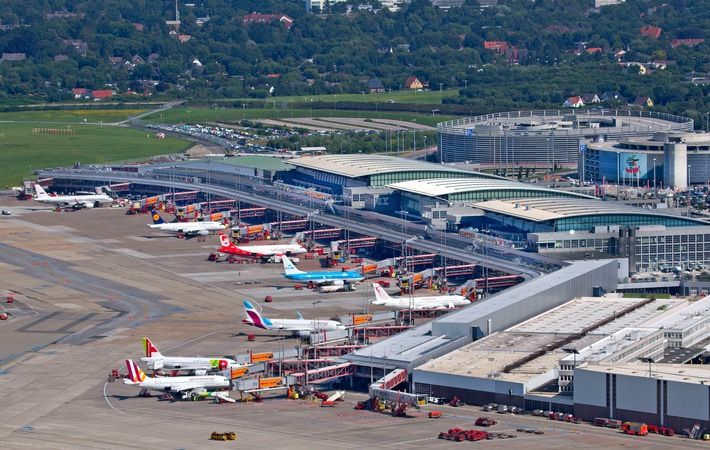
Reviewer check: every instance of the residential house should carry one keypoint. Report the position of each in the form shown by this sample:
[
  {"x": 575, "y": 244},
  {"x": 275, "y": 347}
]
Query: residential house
[
  {"x": 115, "y": 60},
  {"x": 650, "y": 31},
  {"x": 413, "y": 83},
  {"x": 137, "y": 60},
  {"x": 593, "y": 50},
  {"x": 600, "y": 3},
  {"x": 590, "y": 98},
  {"x": 497, "y": 46},
  {"x": 13, "y": 57},
  {"x": 273, "y": 76},
  {"x": 285, "y": 20},
  {"x": 153, "y": 58},
  {"x": 403, "y": 47},
  {"x": 80, "y": 93},
  {"x": 138, "y": 26},
  {"x": 611, "y": 96},
  {"x": 199, "y": 21},
  {"x": 619, "y": 55},
  {"x": 80, "y": 46},
  {"x": 184, "y": 38},
  {"x": 196, "y": 62},
  {"x": 574, "y": 102},
  {"x": 643, "y": 101},
  {"x": 686, "y": 42},
  {"x": 101, "y": 94},
  {"x": 375, "y": 86}
]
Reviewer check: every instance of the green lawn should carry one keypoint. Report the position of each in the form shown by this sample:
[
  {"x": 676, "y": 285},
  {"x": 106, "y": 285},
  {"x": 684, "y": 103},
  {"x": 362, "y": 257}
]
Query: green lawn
[
  {"x": 73, "y": 115},
  {"x": 205, "y": 115},
  {"x": 22, "y": 151},
  {"x": 408, "y": 96}
]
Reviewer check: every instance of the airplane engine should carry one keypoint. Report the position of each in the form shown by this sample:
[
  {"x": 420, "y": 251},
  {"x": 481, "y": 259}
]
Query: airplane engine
[
  {"x": 203, "y": 233},
  {"x": 303, "y": 334},
  {"x": 200, "y": 372},
  {"x": 89, "y": 204}
]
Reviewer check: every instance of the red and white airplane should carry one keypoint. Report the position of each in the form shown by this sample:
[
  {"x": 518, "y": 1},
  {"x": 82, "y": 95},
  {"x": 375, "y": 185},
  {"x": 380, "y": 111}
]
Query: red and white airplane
[{"x": 258, "y": 251}]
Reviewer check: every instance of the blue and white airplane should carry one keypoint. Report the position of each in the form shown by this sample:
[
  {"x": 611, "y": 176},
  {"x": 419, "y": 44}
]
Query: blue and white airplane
[{"x": 291, "y": 273}]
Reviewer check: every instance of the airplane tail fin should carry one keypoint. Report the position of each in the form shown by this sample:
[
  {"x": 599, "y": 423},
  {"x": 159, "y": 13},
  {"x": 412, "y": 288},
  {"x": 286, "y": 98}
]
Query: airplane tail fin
[
  {"x": 299, "y": 316},
  {"x": 157, "y": 220},
  {"x": 381, "y": 296},
  {"x": 150, "y": 349},
  {"x": 41, "y": 193},
  {"x": 253, "y": 317},
  {"x": 135, "y": 374},
  {"x": 224, "y": 242},
  {"x": 289, "y": 268}
]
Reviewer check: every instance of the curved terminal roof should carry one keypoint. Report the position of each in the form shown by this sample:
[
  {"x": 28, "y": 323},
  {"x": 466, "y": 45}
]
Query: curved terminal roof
[
  {"x": 547, "y": 209},
  {"x": 459, "y": 187},
  {"x": 363, "y": 165}
]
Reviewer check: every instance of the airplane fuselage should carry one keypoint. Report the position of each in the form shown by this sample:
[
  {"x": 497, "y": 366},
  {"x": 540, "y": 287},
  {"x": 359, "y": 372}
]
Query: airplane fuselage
[
  {"x": 325, "y": 276},
  {"x": 188, "y": 227},
  {"x": 76, "y": 199},
  {"x": 176, "y": 384},
  {"x": 435, "y": 302},
  {"x": 264, "y": 250},
  {"x": 187, "y": 363}
]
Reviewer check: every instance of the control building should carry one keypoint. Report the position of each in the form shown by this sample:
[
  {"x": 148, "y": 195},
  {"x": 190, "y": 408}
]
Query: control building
[{"x": 544, "y": 138}]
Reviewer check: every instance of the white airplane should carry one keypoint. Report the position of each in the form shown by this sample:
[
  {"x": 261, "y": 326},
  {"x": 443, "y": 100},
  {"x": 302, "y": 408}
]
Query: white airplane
[
  {"x": 75, "y": 201},
  {"x": 200, "y": 366},
  {"x": 299, "y": 327},
  {"x": 186, "y": 228},
  {"x": 432, "y": 302},
  {"x": 191, "y": 386},
  {"x": 260, "y": 251}
]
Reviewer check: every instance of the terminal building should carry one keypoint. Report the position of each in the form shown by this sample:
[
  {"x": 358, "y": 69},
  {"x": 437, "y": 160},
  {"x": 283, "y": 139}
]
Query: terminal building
[
  {"x": 544, "y": 138},
  {"x": 673, "y": 160}
]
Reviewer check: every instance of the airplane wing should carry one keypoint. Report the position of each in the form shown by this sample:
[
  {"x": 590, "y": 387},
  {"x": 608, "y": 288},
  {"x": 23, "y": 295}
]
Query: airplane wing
[{"x": 196, "y": 232}]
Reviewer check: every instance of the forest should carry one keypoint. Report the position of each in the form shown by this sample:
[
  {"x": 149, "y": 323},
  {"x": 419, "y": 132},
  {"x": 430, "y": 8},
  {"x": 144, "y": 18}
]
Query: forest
[{"x": 543, "y": 51}]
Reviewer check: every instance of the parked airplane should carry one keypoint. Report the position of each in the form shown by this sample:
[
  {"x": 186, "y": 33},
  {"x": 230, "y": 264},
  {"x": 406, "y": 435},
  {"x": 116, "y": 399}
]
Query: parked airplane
[
  {"x": 260, "y": 251},
  {"x": 75, "y": 201},
  {"x": 201, "y": 366},
  {"x": 291, "y": 273},
  {"x": 187, "y": 228},
  {"x": 431, "y": 302},
  {"x": 191, "y": 386},
  {"x": 299, "y": 327}
]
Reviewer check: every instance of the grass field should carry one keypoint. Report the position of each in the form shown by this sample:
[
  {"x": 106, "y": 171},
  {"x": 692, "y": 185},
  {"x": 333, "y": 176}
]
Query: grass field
[
  {"x": 204, "y": 115},
  {"x": 408, "y": 96},
  {"x": 70, "y": 116},
  {"x": 21, "y": 151}
]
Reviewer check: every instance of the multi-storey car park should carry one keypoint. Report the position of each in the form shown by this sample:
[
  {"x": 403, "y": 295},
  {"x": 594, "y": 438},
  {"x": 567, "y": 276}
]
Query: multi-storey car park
[
  {"x": 673, "y": 160},
  {"x": 544, "y": 138}
]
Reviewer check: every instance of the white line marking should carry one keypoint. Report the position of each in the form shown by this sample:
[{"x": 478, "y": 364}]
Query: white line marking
[{"x": 107, "y": 400}]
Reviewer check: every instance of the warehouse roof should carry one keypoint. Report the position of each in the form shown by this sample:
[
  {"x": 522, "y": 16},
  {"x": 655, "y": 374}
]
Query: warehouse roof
[
  {"x": 437, "y": 187},
  {"x": 361, "y": 165},
  {"x": 684, "y": 373},
  {"x": 542, "y": 209}
]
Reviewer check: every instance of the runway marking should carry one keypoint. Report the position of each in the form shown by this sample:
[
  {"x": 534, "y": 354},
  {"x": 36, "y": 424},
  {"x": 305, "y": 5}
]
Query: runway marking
[{"x": 107, "y": 400}]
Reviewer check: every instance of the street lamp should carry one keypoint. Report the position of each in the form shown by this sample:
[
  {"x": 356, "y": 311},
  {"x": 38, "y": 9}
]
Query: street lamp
[
  {"x": 491, "y": 361},
  {"x": 315, "y": 314},
  {"x": 654, "y": 173},
  {"x": 649, "y": 361}
]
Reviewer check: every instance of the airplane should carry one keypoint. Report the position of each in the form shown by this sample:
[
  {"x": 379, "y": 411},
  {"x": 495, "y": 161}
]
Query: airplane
[
  {"x": 299, "y": 327},
  {"x": 431, "y": 302},
  {"x": 201, "y": 366},
  {"x": 187, "y": 228},
  {"x": 291, "y": 273},
  {"x": 190, "y": 386},
  {"x": 77, "y": 201},
  {"x": 260, "y": 251}
]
